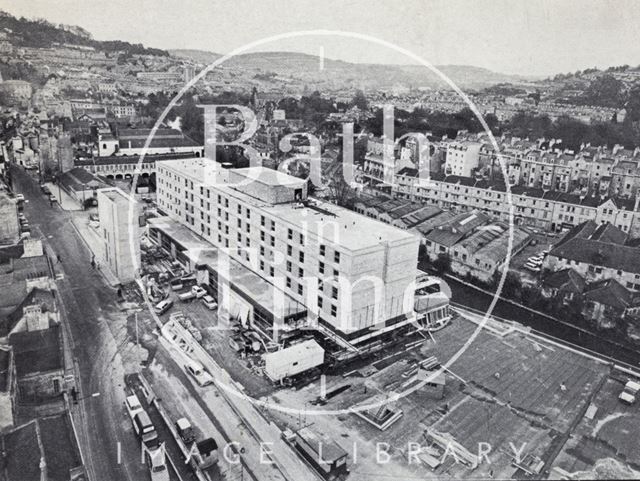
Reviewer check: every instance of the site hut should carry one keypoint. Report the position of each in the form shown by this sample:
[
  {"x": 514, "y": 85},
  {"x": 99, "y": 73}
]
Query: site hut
[
  {"x": 120, "y": 232},
  {"x": 324, "y": 454},
  {"x": 318, "y": 255}
]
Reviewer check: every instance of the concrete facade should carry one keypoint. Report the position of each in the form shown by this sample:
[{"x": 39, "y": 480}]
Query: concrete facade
[
  {"x": 9, "y": 225},
  {"x": 350, "y": 271},
  {"x": 120, "y": 232}
]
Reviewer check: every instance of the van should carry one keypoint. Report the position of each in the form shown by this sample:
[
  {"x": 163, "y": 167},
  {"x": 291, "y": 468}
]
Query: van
[
  {"x": 163, "y": 306},
  {"x": 145, "y": 430}
]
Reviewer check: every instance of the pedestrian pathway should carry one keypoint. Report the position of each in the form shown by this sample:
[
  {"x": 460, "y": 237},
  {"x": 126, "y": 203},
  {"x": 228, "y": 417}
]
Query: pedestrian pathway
[
  {"x": 80, "y": 221},
  {"x": 65, "y": 201}
]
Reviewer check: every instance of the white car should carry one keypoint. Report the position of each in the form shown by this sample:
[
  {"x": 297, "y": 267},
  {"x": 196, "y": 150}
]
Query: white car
[
  {"x": 198, "y": 291},
  {"x": 157, "y": 462},
  {"x": 210, "y": 302},
  {"x": 163, "y": 306},
  {"x": 197, "y": 372}
]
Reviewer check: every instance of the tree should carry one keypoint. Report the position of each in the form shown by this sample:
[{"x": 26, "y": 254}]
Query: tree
[
  {"x": 442, "y": 264},
  {"x": 360, "y": 100},
  {"x": 341, "y": 192}
]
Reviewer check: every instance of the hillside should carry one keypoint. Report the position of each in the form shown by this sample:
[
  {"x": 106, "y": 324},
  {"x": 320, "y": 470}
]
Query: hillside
[
  {"x": 306, "y": 67},
  {"x": 40, "y": 34}
]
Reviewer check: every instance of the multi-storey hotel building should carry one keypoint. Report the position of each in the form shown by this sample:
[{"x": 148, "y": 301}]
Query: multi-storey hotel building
[{"x": 354, "y": 275}]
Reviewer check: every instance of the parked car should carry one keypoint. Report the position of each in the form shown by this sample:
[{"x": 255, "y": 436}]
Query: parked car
[
  {"x": 20, "y": 198},
  {"x": 187, "y": 296},
  {"x": 52, "y": 199},
  {"x": 209, "y": 302},
  {"x": 163, "y": 306},
  {"x": 145, "y": 429},
  {"x": 199, "y": 292},
  {"x": 157, "y": 462},
  {"x": 197, "y": 372},
  {"x": 185, "y": 430}
]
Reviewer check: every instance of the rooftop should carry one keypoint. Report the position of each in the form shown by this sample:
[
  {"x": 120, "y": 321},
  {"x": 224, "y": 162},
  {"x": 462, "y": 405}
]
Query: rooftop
[
  {"x": 335, "y": 224},
  {"x": 49, "y": 439},
  {"x": 37, "y": 351}
]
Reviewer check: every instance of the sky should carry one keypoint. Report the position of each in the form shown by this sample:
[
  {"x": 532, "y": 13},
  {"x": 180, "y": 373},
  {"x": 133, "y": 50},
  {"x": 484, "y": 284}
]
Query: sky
[{"x": 527, "y": 37}]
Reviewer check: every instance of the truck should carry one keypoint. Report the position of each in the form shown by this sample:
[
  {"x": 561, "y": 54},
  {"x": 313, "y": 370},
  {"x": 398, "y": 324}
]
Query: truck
[
  {"x": 196, "y": 292},
  {"x": 133, "y": 406}
]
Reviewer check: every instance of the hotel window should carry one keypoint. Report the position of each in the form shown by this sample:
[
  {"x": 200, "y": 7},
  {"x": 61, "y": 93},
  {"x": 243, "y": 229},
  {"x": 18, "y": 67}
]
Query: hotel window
[
  {"x": 320, "y": 302},
  {"x": 248, "y": 214},
  {"x": 262, "y": 236},
  {"x": 334, "y": 310},
  {"x": 239, "y": 224},
  {"x": 289, "y": 234},
  {"x": 239, "y": 209},
  {"x": 334, "y": 292},
  {"x": 261, "y": 265},
  {"x": 335, "y": 273},
  {"x": 271, "y": 271},
  {"x": 300, "y": 272},
  {"x": 273, "y": 241},
  {"x": 219, "y": 200},
  {"x": 301, "y": 256},
  {"x": 300, "y": 291},
  {"x": 247, "y": 242},
  {"x": 262, "y": 250},
  {"x": 288, "y": 266},
  {"x": 288, "y": 282},
  {"x": 323, "y": 248},
  {"x": 301, "y": 239},
  {"x": 226, "y": 202},
  {"x": 248, "y": 228},
  {"x": 273, "y": 225},
  {"x": 289, "y": 250},
  {"x": 321, "y": 267},
  {"x": 219, "y": 212},
  {"x": 239, "y": 237},
  {"x": 262, "y": 221}
]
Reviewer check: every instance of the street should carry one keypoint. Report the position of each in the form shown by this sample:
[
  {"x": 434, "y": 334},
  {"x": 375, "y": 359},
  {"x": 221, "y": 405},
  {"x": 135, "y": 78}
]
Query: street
[{"x": 99, "y": 342}]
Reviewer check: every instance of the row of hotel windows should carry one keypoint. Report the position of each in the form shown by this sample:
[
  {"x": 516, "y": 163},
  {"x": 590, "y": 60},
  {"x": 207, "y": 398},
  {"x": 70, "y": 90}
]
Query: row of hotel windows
[{"x": 263, "y": 221}]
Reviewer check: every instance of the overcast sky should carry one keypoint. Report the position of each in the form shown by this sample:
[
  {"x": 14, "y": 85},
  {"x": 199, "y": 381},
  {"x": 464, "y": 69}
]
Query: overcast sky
[{"x": 534, "y": 37}]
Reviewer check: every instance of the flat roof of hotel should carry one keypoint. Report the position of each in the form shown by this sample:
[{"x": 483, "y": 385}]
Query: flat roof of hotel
[{"x": 344, "y": 227}]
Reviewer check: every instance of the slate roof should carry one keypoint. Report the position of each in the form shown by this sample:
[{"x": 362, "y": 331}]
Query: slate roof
[
  {"x": 566, "y": 279},
  {"x": 26, "y": 268},
  {"x": 598, "y": 245},
  {"x": 50, "y": 439},
  {"x": 43, "y": 297},
  {"x": 610, "y": 293},
  {"x": 37, "y": 351}
]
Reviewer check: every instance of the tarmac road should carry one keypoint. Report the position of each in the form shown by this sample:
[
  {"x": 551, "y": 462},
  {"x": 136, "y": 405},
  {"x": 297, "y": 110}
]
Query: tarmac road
[{"x": 98, "y": 330}]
